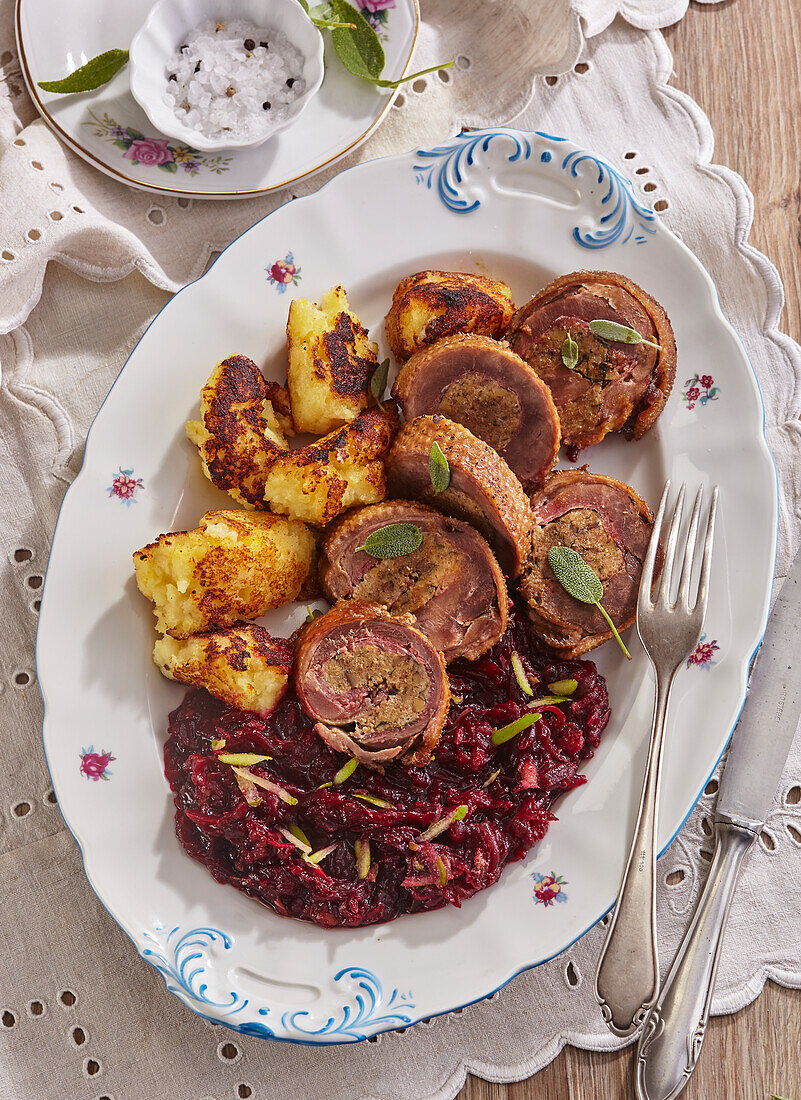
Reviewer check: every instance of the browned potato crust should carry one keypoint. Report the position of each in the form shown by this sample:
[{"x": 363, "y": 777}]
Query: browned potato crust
[
  {"x": 316, "y": 483},
  {"x": 244, "y": 666},
  {"x": 242, "y": 428},
  {"x": 432, "y": 304},
  {"x": 235, "y": 565},
  {"x": 331, "y": 363}
]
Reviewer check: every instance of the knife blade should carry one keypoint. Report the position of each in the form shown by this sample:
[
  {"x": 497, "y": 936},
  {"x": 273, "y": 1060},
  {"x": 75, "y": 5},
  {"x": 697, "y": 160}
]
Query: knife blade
[
  {"x": 674, "y": 1029},
  {"x": 769, "y": 717}
]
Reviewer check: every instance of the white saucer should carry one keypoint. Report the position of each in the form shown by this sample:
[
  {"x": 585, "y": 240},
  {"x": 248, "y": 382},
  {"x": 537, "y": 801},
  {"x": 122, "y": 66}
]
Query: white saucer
[{"x": 108, "y": 128}]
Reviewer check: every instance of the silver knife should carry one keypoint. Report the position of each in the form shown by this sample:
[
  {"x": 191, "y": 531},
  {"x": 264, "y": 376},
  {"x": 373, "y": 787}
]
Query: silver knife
[{"x": 674, "y": 1028}]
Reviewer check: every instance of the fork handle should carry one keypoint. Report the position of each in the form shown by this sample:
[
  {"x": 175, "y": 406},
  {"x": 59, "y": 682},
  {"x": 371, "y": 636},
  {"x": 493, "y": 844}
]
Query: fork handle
[
  {"x": 627, "y": 980},
  {"x": 674, "y": 1029}
]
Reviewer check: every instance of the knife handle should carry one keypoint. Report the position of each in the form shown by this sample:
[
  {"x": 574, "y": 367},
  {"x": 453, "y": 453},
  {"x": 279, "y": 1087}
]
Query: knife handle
[{"x": 674, "y": 1028}]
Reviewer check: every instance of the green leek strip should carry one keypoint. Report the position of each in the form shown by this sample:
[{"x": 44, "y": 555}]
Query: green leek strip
[
  {"x": 439, "y": 827},
  {"x": 242, "y": 759},
  {"x": 218, "y": 744},
  {"x": 290, "y": 836},
  {"x": 323, "y": 786},
  {"x": 563, "y": 687},
  {"x": 520, "y": 674},
  {"x": 345, "y": 771},
  {"x": 548, "y": 701},
  {"x": 320, "y": 854},
  {"x": 299, "y": 833},
  {"x": 363, "y": 858},
  {"x": 266, "y": 785},
  {"x": 443, "y": 872},
  {"x": 492, "y": 778},
  {"x": 380, "y": 802},
  {"x": 506, "y": 733},
  {"x": 249, "y": 790}
]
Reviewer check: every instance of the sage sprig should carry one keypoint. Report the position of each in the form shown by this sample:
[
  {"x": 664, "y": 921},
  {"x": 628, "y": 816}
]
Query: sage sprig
[
  {"x": 570, "y": 352},
  {"x": 581, "y": 582},
  {"x": 357, "y": 45},
  {"x": 378, "y": 382},
  {"x": 395, "y": 540},
  {"x": 438, "y": 469},
  {"x": 619, "y": 334},
  {"x": 92, "y": 75}
]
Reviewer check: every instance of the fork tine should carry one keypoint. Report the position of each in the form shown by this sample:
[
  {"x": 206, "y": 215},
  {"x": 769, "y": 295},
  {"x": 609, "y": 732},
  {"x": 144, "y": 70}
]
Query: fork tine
[
  {"x": 706, "y": 565},
  {"x": 670, "y": 549},
  {"x": 646, "y": 581},
  {"x": 689, "y": 552}
]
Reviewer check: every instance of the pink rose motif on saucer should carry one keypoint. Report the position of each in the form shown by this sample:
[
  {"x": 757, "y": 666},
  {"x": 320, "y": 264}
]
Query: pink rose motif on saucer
[
  {"x": 283, "y": 273},
  {"x": 152, "y": 152},
  {"x": 376, "y": 13},
  {"x": 149, "y": 151},
  {"x": 124, "y": 486},
  {"x": 548, "y": 888},
  {"x": 94, "y": 765},
  {"x": 703, "y": 653},
  {"x": 700, "y": 388}
]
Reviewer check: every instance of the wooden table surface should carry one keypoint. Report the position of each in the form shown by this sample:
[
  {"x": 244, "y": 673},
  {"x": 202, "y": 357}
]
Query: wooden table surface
[{"x": 741, "y": 62}]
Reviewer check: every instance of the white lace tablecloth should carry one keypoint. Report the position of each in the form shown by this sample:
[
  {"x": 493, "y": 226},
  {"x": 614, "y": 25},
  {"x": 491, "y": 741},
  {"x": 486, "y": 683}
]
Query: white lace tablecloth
[{"x": 80, "y": 1014}]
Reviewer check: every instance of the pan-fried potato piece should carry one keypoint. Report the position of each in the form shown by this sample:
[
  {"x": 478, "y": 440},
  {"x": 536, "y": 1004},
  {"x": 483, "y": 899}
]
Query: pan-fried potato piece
[
  {"x": 344, "y": 468},
  {"x": 331, "y": 362},
  {"x": 432, "y": 304},
  {"x": 244, "y": 666},
  {"x": 244, "y": 421},
  {"x": 235, "y": 565}
]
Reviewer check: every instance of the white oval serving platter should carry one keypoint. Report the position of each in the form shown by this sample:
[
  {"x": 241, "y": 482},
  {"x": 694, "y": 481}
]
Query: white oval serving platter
[
  {"x": 525, "y": 208},
  {"x": 109, "y": 129}
]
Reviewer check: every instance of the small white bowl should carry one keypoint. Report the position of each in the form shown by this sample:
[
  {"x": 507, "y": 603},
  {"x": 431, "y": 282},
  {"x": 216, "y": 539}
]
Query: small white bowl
[{"x": 166, "y": 27}]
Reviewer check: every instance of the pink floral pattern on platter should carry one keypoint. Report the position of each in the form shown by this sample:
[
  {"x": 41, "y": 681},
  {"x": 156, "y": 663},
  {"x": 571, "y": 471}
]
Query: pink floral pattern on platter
[
  {"x": 703, "y": 653},
  {"x": 124, "y": 486},
  {"x": 94, "y": 765},
  {"x": 548, "y": 888},
  {"x": 283, "y": 273},
  {"x": 700, "y": 389},
  {"x": 376, "y": 12},
  {"x": 151, "y": 152}
]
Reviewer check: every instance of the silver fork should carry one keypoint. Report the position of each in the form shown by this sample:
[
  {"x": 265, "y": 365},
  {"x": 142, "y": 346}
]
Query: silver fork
[{"x": 627, "y": 980}]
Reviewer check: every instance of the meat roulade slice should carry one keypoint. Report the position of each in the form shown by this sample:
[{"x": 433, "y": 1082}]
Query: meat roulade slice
[
  {"x": 451, "y": 584},
  {"x": 374, "y": 684},
  {"x": 609, "y": 525},
  {"x": 484, "y": 385},
  {"x": 606, "y": 385},
  {"x": 482, "y": 490}
]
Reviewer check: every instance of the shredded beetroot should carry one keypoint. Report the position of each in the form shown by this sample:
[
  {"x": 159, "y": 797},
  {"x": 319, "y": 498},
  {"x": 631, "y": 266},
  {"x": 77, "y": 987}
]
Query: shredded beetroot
[{"x": 243, "y": 845}]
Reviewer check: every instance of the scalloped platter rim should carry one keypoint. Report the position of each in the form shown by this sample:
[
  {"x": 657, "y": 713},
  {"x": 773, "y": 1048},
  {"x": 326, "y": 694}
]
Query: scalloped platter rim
[{"x": 468, "y": 203}]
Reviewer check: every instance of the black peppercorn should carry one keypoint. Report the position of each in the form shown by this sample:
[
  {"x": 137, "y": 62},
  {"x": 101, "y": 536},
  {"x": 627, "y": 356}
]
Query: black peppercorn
[
  {"x": 184, "y": 47},
  {"x": 197, "y": 67},
  {"x": 266, "y": 105},
  {"x": 249, "y": 44},
  {"x": 291, "y": 81},
  {"x": 173, "y": 76},
  {"x": 265, "y": 45}
]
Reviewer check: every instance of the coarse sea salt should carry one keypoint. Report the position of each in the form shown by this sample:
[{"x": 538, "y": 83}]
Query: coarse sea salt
[{"x": 234, "y": 79}]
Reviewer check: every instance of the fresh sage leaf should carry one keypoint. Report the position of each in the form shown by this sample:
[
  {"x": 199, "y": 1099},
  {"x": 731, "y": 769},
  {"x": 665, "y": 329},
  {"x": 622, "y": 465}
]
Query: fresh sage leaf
[
  {"x": 506, "y": 733},
  {"x": 581, "y": 582},
  {"x": 93, "y": 74},
  {"x": 322, "y": 20},
  {"x": 620, "y": 334},
  {"x": 358, "y": 49},
  {"x": 393, "y": 541},
  {"x": 570, "y": 352},
  {"x": 438, "y": 469},
  {"x": 378, "y": 382}
]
